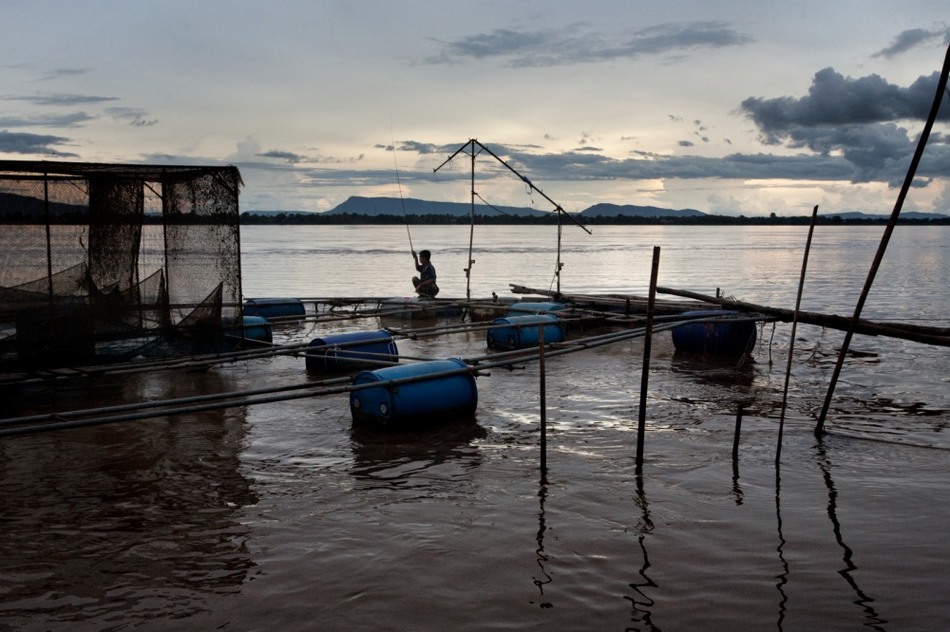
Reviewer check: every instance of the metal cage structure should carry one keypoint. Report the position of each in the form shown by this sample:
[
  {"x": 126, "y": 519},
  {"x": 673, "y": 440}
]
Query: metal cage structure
[{"x": 105, "y": 262}]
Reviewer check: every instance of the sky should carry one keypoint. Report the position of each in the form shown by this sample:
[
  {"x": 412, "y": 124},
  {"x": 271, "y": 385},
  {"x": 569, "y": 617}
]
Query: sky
[{"x": 733, "y": 107}]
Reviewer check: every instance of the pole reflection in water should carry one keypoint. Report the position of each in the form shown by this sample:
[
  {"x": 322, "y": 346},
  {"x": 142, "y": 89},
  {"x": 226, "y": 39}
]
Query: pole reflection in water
[
  {"x": 126, "y": 518},
  {"x": 641, "y": 603},
  {"x": 783, "y": 576},
  {"x": 873, "y": 619},
  {"x": 539, "y": 552},
  {"x": 396, "y": 458}
]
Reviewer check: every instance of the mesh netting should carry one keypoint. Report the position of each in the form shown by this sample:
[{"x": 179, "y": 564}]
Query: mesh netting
[{"x": 93, "y": 256}]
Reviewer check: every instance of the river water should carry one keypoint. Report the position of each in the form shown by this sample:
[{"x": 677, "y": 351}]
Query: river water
[{"x": 288, "y": 516}]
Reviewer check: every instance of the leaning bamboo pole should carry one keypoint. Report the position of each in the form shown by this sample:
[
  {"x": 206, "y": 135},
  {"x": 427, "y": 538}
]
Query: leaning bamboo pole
[
  {"x": 885, "y": 238},
  {"x": 939, "y": 336}
]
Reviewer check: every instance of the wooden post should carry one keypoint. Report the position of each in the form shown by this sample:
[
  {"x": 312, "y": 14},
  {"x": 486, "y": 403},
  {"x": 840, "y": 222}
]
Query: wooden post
[
  {"x": 543, "y": 396},
  {"x": 791, "y": 342},
  {"x": 647, "y": 348},
  {"x": 735, "y": 439}
]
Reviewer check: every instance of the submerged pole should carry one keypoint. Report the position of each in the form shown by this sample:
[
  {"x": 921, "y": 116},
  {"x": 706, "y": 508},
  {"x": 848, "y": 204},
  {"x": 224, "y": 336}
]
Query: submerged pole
[
  {"x": 544, "y": 409},
  {"x": 647, "y": 348},
  {"x": 882, "y": 248},
  {"x": 735, "y": 437},
  {"x": 791, "y": 342}
]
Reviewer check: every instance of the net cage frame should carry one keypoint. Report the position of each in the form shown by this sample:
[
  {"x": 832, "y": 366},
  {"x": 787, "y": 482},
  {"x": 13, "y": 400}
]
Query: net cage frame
[{"x": 102, "y": 261}]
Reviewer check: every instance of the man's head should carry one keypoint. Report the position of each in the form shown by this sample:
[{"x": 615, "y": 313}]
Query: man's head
[{"x": 424, "y": 255}]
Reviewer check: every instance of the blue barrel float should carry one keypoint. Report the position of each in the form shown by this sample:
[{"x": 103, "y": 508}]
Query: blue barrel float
[
  {"x": 275, "y": 307},
  {"x": 257, "y": 328},
  {"x": 414, "y": 393},
  {"x": 520, "y": 332},
  {"x": 351, "y": 350},
  {"x": 721, "y": 338}
]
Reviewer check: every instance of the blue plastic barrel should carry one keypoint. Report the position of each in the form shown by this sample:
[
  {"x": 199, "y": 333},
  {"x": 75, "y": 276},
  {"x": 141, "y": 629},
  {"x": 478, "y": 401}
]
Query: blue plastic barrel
[
  {"x": 722, "y": 338},
  {"x": 424, "y": 392},
  {"x": 257, "y": 328},
  {"x": 534, "y": 308},
  {"x": 520, "y": 332},
  {"x": 275, "y": 307},
  {"x": 351, "y": 350}
]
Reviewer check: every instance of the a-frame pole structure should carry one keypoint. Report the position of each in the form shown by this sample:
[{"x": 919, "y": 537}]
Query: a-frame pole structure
[{"x": 474, "y": 146}]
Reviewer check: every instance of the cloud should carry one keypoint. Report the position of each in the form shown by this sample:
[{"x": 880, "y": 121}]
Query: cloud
[
  {"x": 912, "y": 38},
  {"x": 286, "y": 156},
  {"x": 73, "y": 119},
  {"x": 573, "y": 45},
  {"x": 588, "y": 166},
  {"x": 834, "y": 99},
  {"x": 25, "y": 143},
  {"x": 58, "y": 73},
  {"x": 134, "y": 116},
  {"x": 856, "y": 119},
  {"x": 60, "y": 99}
]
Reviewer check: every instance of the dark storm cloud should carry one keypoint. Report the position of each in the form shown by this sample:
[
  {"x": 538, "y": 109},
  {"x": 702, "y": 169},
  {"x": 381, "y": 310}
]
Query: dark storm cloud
[
  {"x": 575, "y": 45},
  {"x": 24, "y": 143},
  {"x": 913, "y": 38},
  {"x": 856, "y": 119},
  {"x": 834, "y": 99}
]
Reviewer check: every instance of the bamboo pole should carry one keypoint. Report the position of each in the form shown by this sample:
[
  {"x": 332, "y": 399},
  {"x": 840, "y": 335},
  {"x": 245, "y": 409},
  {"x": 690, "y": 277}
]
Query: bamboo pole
[
  {"x": 735, "y": 437},
  {"x": 885, "y": 238},
  {"x": 543, "y": 397},
  {"x": 939, "y": 336},
  {"x": 647, "y": 349},
  {"x": 791, "y": 342}
]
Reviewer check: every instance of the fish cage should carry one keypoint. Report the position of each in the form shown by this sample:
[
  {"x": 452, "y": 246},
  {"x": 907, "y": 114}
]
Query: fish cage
[{"x": 103, "y": 262}]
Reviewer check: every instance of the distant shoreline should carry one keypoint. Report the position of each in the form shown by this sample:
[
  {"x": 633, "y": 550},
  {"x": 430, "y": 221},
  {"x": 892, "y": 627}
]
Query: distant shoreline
[{"x": 250, "y": 219}]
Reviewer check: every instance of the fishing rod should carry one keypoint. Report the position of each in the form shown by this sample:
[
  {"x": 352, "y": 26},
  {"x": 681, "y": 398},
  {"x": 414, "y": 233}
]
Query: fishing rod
[{"x": 401, "y": 201}]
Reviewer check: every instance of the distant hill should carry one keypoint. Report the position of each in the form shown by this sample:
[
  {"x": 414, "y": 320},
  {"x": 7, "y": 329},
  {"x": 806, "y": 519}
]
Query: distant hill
[
  {"x": 28, "y": 207},
  {"x": 858, "y": 215},
  {"x": 630, "y": 210},
  {"x": 396, "y": 209},
  {"x": 373, "y": 206}
]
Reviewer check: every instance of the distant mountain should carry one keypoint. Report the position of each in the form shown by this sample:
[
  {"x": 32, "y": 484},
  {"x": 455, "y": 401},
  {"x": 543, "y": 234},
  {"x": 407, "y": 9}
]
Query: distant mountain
[
  {"x": 373, "y": 206},
  {"x": 858, "y": 215},
  {"x": 275, "y": 213},
  {"x": 630, "y": 210},
  {"x": 12, "y": 204}
]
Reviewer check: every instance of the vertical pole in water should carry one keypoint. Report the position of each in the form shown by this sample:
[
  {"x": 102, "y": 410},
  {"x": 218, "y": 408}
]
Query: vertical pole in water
[
  {"x": 471, "y": 231},
  {"x": 905, "y": 188},
  {"x": 647, "y": 348},
  {"x": 49, "y": 246},
  {"x": 735, "y": 439},
  {"x": 791, "y": 342},
  {"x": 544, "y": 410}
]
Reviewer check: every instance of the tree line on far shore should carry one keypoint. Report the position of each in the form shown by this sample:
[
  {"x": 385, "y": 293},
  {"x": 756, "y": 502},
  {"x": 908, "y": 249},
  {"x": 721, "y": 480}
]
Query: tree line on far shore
[{"x": 248, "y": 218}]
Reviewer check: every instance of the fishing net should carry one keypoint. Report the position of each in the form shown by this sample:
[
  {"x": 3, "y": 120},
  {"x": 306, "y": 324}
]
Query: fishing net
[{"x": 94, "y": 257}]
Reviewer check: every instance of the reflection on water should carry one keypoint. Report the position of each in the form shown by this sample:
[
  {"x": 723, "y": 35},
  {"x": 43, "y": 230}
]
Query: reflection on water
[
  {"x": 641, "y": 603},
  {"x": 128, "y": 520},
  {"x": 783, "y": 576},
  {"x": 544, "y": 578},
  {"x": 873, "y": 620},
  {"x": 425, "y": 459}
]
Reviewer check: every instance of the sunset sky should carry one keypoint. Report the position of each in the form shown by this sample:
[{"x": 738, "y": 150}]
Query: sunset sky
[{"x": 731, "y": 108}]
